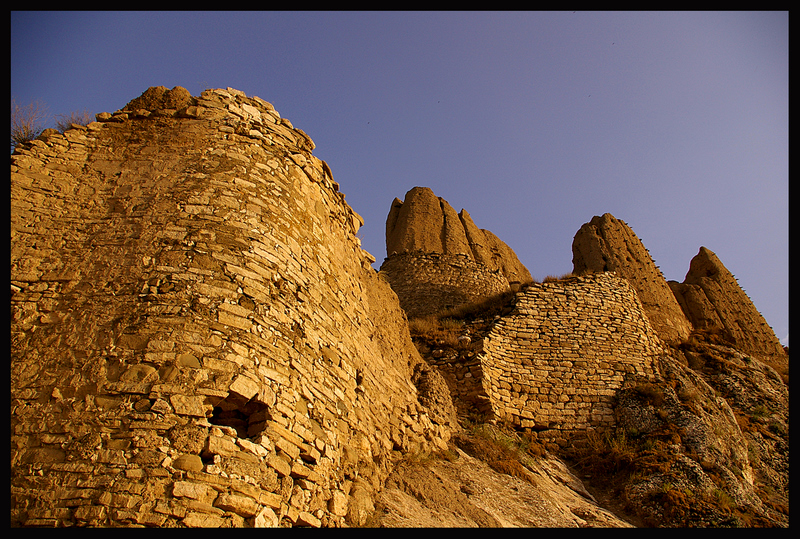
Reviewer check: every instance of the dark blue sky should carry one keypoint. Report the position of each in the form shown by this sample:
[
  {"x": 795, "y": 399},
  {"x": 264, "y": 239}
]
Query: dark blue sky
[{"x": 674, "y": 122}]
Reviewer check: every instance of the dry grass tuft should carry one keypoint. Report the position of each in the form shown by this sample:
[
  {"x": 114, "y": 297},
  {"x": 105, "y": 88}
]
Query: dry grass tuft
[
  {"x": 556, "y": 278},
  {"x": 65, "y": 121},
  {"x": 499, "y": 304},
  {"x": 423, "y": 326},
  {"x": 502, "y": 449}
]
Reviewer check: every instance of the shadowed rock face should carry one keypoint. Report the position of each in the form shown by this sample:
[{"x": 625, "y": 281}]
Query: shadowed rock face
[
  {"x": 426, "y": 223},
  {"x": 712, "y": 298},
  {"x": 607, "y": 244}
]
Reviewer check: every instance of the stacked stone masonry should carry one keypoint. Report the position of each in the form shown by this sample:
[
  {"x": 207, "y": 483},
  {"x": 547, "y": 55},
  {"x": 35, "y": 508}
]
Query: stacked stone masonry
[
  {"x": 197, "y": 337},
  {"x": 556, "y": 362},
  {"x": 426, "y": 283}
]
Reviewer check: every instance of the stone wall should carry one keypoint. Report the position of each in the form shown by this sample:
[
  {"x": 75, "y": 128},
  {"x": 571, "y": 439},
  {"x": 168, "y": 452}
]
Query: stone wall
[
  {"x": 462, "y": 370},
  {"x": 556, "y": 362},
  {"x": 197, "y": 338},
  {"x": 426, "y": 283}
]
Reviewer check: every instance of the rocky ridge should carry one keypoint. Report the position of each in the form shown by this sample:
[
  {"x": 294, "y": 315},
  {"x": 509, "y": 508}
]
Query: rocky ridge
[
  {"x": 423, "y": 222},
  {"x": 438, "y": 259},
  {"x": 712, "y": 300}
]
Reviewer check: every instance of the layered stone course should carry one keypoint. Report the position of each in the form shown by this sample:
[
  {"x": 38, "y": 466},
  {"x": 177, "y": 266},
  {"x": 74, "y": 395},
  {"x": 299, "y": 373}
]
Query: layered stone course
[
  {"x": 197, "y": 337},
  {"x": 426, "y": 283},
  {"x": 464, "y": 376},
  {"x": 555, "y": 363}
]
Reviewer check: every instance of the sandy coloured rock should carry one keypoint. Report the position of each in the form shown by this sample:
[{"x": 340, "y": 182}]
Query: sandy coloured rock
[
  {"x": 439, "y": 259},
  {"x": 712, "y": 299}
]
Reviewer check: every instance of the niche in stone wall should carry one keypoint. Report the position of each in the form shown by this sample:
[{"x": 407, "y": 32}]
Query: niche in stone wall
[
  {"x": 247, "y": 417},
  {"x": 244, "y": 409}
]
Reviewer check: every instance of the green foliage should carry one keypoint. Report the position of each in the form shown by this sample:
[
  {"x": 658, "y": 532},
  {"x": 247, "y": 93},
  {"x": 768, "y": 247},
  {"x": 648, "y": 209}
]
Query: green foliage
[
  {"x": 451, "y": 323},
  {"x": 424, "y": 326},
  {"x": 434, "y": 331}
]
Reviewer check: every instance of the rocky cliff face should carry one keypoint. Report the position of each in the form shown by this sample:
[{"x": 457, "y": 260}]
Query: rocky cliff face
[
  {"x": 700, "y": 393},
  {"x": 607, "y": 244},
  {"x": 426, "y": 223}
]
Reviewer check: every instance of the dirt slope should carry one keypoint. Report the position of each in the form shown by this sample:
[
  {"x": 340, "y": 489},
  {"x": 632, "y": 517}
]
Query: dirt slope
[{"x": 462, "y": 491}]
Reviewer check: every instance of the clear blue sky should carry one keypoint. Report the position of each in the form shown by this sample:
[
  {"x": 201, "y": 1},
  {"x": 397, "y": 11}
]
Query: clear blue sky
[{"x": 674, "y": 122}]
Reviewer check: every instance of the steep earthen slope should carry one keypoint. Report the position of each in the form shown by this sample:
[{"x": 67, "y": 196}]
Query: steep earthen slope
[{"x": 465, "y": 492}]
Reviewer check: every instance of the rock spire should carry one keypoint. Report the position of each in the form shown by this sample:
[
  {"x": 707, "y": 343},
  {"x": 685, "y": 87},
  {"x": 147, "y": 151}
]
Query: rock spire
[
  {"x": 608, "y": 244},
  {"x": 426, "y": 223},
  {"x": 712, "y": 299}
]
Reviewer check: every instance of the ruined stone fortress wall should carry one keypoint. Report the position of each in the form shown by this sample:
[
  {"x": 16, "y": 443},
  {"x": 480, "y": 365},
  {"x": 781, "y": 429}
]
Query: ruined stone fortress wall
[
  {"x": 554, "y": 364},
  {"x": 427, "y": 283},
  {"x": 197, "y": 337}
]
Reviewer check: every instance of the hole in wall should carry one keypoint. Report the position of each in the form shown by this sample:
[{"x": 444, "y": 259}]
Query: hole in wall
[{"x": 248, "y": 417}]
